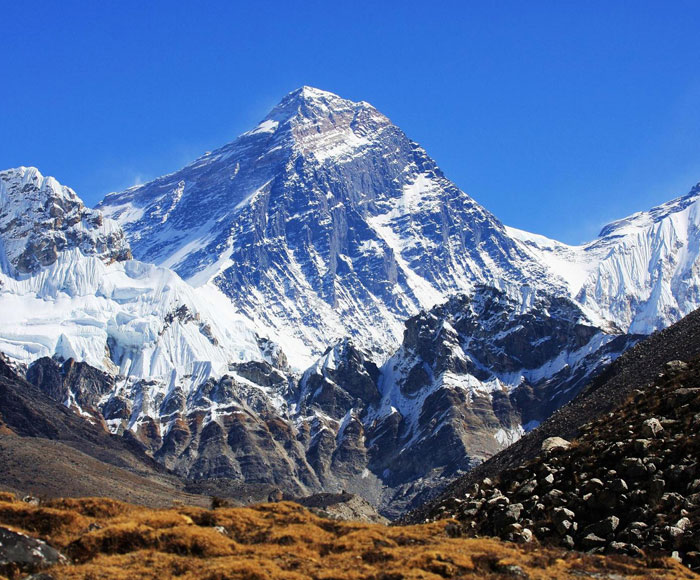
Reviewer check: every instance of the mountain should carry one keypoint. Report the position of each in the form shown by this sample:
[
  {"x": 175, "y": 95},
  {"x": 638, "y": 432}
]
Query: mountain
[
  {"x": 137, "y": 352},
  {"x": 633, "y": 372},
  {"x": 68, "y": 288},
  {"x": 642, "y": 272},
  {"x": 325, "y": 221},
  {"x": 349, "y": 319},
  {"x": 471, "y": 376}
]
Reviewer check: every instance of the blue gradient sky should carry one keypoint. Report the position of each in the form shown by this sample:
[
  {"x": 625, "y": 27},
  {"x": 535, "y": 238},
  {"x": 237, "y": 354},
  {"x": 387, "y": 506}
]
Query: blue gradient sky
[{"x": 557, "y": 116}]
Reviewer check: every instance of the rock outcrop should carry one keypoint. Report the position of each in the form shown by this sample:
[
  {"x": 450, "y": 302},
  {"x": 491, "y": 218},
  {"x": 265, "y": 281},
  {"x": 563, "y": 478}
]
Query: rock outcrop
[{"x": 22, "y": 554}]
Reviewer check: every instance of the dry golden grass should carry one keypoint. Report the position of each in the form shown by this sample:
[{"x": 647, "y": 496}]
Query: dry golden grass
[
  {"x": 7, "y": 497},
  {"x": 112, "y": 540}
]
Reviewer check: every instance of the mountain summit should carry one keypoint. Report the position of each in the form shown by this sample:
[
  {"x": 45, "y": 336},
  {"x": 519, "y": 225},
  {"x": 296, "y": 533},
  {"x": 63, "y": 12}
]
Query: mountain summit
[
  {"x": 324, "y": 221},
  {"x": 39, "y": 218}
]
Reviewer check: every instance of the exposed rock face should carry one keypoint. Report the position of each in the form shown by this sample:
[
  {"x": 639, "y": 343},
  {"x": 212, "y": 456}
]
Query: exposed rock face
[
  {"x": 75, "y": 384},
  {"x": 229, "y": 428},
  {"x": 630, "y": 483},
  {"x": 39, "y": 218},
  {"x": 49, "y": 450},
  {"x": 637, "y": 368},
  {"x": 344, "y": 378},
  {"x": 469, "y": 376}
]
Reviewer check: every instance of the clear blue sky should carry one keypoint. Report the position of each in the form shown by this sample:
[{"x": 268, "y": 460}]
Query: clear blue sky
[{"x": 557, "y": 116}]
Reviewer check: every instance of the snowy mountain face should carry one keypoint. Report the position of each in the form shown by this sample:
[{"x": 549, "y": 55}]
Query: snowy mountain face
[
  {"x": 642, "y": 272},
  {"x": 324, "y": 221},
  {"x": 68, "y": 289},
  {"x": 39, "y": 218},
  {"x": 133, "y": 347}
]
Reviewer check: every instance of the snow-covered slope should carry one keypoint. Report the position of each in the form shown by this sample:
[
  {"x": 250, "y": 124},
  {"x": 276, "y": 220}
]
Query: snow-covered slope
[
  {"x": 642, "y": 272},
  {"x": 68, "y": 289},
  {"x": 324, "y": 221},
  {"x": 192, "y": 380}
]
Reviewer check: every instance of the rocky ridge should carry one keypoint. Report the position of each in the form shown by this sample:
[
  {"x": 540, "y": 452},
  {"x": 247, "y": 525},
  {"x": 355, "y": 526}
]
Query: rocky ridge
[{"x": 348, "y": 424}]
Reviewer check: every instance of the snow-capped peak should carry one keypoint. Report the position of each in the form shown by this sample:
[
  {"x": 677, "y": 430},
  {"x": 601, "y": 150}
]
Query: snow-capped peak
[
  {"x": 30, "y": 179},
  {"x": 644, "y": 219},
  {"x": 40, "y": 218},
  {"x": 308, "y": 100},
  {"x": 323, "y": 221},
  {"x": 642, "y": 272}
]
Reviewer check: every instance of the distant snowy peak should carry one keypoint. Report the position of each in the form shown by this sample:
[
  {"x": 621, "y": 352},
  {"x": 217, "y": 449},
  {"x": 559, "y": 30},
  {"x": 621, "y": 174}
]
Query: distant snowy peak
[
  {"x": 323, "y": 221},
  {"x": 642, "y": 272},
  {"x": 39, "y": 218},
  {"x": 646, "y": 219}
]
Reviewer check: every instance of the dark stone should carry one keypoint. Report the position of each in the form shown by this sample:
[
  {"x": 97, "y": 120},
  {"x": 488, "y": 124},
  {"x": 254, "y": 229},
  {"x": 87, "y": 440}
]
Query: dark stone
[{"x": 21, "y": 553}]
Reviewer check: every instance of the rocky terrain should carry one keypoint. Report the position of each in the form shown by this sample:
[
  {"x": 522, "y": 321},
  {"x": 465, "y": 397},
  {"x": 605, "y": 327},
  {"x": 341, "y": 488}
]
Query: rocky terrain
[
  {"x": 629, "y": 483},
  {"x": 105, "y": 539},
  {"x": 637, "y": 368}
]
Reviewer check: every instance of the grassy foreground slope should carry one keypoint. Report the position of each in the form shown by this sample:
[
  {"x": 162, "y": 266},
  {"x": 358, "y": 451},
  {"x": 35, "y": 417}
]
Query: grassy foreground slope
[{"x": 108, "y": 539}]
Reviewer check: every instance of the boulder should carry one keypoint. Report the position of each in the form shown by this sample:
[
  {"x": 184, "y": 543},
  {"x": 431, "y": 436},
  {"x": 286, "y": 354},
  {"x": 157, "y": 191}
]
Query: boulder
[
  {"x": 604, "y": 527},
  {"x": 24, "y": 554},
  {"x": 675, "y": 366},
  {"x": 591, "y": 541},
  {"x": 652, "y": 428},
  {"x": 554, "y": 444}
]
